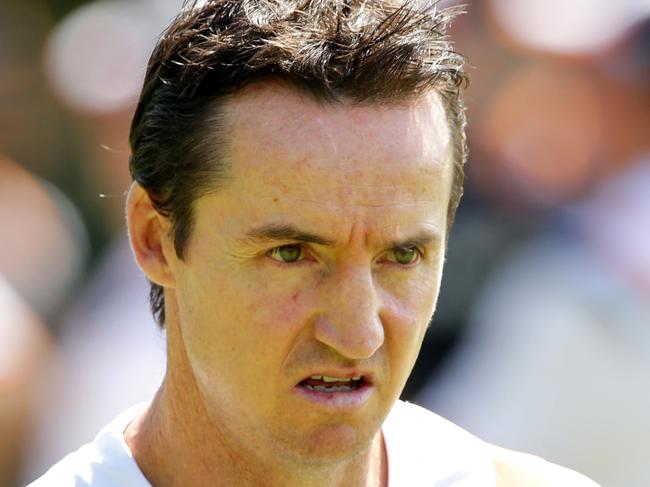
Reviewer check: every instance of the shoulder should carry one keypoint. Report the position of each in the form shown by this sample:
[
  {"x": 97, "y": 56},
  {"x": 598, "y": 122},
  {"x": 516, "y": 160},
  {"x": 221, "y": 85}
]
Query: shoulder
[
  {"x": 75, "y": 469},
  {"x": 418, "y": 425},
  {"x": 424, "y": 449},
  {"x": 420, "y": 444},
  {"x": 513, "y": 469}
]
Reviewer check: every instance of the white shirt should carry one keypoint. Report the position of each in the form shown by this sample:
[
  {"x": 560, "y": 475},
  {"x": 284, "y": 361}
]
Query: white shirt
[{"x": 423, "y": 449}]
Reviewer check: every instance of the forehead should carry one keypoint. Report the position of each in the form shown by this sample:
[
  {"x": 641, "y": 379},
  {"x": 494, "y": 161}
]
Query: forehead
[
  {"x": 294, "y": 158},
  {"x": 275, "y": 117}
]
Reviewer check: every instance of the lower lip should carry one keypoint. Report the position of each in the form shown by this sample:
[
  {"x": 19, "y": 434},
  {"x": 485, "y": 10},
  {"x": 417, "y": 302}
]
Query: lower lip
[{"x": 337, "y": 400}]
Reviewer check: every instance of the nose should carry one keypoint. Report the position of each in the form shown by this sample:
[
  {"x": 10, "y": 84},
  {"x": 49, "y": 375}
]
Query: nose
[{"x": 350, "y": 323}]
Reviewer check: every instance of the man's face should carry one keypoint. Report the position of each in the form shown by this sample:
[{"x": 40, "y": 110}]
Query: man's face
[{"x": 320, "y": 258}]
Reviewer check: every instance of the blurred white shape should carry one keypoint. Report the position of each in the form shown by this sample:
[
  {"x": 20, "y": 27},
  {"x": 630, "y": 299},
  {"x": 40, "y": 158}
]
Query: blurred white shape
[
  {"x": 24, "y": 354},
  {"x": 163, "y": 10},
  {"x": 556, "y": 365},
  {"x": 43, "y": 251},
  {"x": 616, "y": 219},
  {"x": 15, "y": 336},
  {"x": 111, "y": 355},
  {"x": 575, "y": 27},
  {"x": 95, "y": 59}
]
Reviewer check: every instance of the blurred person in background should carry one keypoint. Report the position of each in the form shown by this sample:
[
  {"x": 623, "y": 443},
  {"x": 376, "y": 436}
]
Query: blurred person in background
[
  {"x": 312, "y": 399},
  {"x": 559, "y": 340},
  {"x": 93, "y": 61},
  {"x": 65, "y": 107},
  {"x": 42, "y": 252},
  {"x": 553, "y": 358}
]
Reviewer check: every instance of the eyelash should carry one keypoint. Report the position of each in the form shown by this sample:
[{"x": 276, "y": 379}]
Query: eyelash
[
  {"x": 418, "y": 258},
  {"x": 275, "y": 250}
]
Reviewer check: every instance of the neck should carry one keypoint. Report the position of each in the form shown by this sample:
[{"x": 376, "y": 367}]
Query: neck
[{"x": 176, "y": 442}]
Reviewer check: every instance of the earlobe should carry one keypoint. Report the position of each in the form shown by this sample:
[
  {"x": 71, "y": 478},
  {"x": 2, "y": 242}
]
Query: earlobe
[{"x": 149, "y": 237}]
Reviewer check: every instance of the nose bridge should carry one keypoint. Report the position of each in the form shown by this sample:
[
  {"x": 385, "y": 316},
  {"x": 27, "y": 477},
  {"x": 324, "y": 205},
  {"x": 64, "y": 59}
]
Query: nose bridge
[{"x": 351, "y": 323}]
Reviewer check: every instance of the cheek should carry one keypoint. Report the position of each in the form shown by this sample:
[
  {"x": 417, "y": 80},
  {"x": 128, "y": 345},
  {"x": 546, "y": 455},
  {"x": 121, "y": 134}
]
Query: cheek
[
  {"x": 408, "y": 307},
  {"x": 407, "y": 319},
  {"x": 246, "y": 300},
  {"x": 277, "y": 312},
  {"x": 409, "y": 315}
]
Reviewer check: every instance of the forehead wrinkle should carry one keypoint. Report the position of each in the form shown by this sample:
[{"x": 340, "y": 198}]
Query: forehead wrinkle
[
  {"x": 337, "y": 190},
  {"x": 360, "y": 205},
  {"x": 420, "y": 226},
  {"x": 328, "y": 176}
]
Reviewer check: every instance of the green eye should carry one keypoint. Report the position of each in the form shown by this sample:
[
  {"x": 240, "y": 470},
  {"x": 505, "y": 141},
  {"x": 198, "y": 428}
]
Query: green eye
[
  {"x": 406, "y": 256},
  {"x": 286, "y": 253}
]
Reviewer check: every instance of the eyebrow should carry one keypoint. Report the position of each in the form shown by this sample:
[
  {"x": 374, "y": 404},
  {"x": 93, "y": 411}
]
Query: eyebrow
[
  {"x": 274, "y": 231},
  {"x": 284, "y": 232},
  {"x": 420, "y": 239}
]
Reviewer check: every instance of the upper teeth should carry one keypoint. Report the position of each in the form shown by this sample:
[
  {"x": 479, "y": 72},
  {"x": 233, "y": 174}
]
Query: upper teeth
[{"x": 327, "y": 378}]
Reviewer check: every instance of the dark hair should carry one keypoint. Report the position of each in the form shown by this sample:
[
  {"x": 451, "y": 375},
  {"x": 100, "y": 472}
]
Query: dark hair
[{"x": 368, "y": 51}]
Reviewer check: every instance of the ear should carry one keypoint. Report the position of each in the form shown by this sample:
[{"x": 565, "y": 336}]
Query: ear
[{"x": 150, "y": 237}]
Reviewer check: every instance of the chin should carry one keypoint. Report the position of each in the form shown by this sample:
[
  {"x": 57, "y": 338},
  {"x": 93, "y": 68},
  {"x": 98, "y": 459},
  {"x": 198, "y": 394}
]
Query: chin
[{"x": 331, "y": 444}]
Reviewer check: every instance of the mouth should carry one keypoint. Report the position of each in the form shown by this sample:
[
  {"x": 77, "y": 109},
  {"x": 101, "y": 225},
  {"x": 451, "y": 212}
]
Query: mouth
[
  {"x": 329, "y": 384},
  {"x": 337, "y": 391}
]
